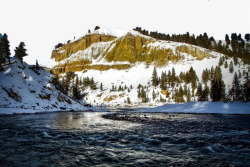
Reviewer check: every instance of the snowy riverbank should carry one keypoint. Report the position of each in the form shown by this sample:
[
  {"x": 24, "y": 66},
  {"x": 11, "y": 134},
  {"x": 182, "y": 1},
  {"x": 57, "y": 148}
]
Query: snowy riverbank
[
  {"x": 203, "y": 107},
  {"x": 4, "y": 111},
  {"x": 191, "y": 107}
]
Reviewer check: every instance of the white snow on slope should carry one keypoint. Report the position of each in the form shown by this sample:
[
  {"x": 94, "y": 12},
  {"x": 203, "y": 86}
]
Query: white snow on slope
[
  {"x": 24, "y": 89},
  {"x": 203, "y": 107},
  {"x": 118, "y": 32},
  {"x": 141, "y": 73}
]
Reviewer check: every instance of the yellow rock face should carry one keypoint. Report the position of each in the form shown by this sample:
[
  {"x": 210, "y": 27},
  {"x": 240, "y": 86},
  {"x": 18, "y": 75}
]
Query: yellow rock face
[
  {"x": 195, "y": 52},
  {"x": 130, "y": 48},
  {"x": 66, "y": 50},
  {"x": 134, "y": 49}
]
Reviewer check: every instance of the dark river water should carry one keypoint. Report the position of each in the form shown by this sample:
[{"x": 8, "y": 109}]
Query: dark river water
[{"x": 151, "y": 139}]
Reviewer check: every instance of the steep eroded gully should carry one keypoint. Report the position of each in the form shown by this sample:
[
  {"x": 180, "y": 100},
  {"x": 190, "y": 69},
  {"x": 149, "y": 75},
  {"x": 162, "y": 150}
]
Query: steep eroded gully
[{"x": 124, "y": 139}]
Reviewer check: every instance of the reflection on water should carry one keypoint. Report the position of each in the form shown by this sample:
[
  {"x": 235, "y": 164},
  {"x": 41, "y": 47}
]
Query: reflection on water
[
  {"x": 86, "y": 139},
  {"x": 87, "y": 121}
]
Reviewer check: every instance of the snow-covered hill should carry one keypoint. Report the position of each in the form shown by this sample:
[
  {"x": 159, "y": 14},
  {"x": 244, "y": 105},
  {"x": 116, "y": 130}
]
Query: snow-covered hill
[
  {"x": 129, "y": 60},
  {"x": 25, "y": 88}
]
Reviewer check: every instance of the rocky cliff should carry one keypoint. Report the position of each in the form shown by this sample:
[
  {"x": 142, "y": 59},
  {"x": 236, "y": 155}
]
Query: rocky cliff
[
  {"x": 104, "y": 52},
  {"x": 66, "y": 50}
]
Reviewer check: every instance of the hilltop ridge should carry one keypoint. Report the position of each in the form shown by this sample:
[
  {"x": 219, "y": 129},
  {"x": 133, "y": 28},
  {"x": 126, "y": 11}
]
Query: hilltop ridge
[{"x": 121, "y": 67}]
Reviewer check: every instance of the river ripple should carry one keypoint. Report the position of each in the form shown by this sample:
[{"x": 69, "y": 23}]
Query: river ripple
[{"x": 156, "y": 139}]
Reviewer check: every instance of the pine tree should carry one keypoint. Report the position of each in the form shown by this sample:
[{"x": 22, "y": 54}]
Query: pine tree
[
  {"x": 225, "y": 64},
  {"x": 75, "y": 90},
  {"x": 113, "y": 88},
  {"x": 173, "y": 75},
  {"x": 212, "y": 73},
  {"x": 205, "y": 93},
  {"x": 185, "y": 90},
  {"x": 188, "y": 95},
  {"x": 199, "y": 92},
  {"x": 139, "y": 92},
  {"x": 143, "y": 95},
  {"x": 217, "y": 72},
  {"x": 4, "y": 49},
  {"x": 163, "y": 81},
  {"x": 153, "y": 94},
  {"x": 235, "y": 91},
  {"x": 119, "y": 88},
  {"x": 181, "y": 92},
  {"x": 247, "y": 37},
  {"x": 154, "y": 78},
  {"x": 101, "y": 87},
  {"x": 37, "y": 65},
  {"x": 205, "y": 76},
  {"x": 217, "y": 90},
  {"x": 227, "y": 39},
  {"x": 128, "y": 100},
  {"x": 231, "y": 67},
  {"x": 246, "y": 88},
  {"x": 97, "y": 27},
  {"x": 92, "y": 84},
  {"x": 20, "y": 51},
  {"x": 220, "y": 62}
]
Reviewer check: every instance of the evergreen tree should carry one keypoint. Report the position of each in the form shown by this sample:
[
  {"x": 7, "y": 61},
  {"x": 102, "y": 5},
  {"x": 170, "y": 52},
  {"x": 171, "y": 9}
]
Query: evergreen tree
[
  {"x": 205, "y": 93},
  {"x": 97, "y": 27},
  {"x": 163, "y": 81},
  {"x": 113, "y": 88},
  {"x": 212, "y": 73},
  {"x": 185, "y": 90},
  {"x": 4, "y": 49},
  {"x": 225, "y": 64},
  {"x": 188, "y": 95},
  {"x": 236, "y": 60},
  {"x": 247, "y": 37},
  {"x": 235, "y": 91},
  {"x": 101, "y": 87},
  {"x": 128, "y": 100},
  {"x": 92, "y": 84},
  {"x": 20, "y": 51},
  {"x": 65, "y": 85},
  {"x": 153, "y": 94},
  {"x": 119, "y": 88},
  {"x": 37, "y": 65},
  {"x": 199, "y": 92},
  {"x": 143, "y": 95},
  {"x": 220, "y": 61},
  {"x": 181, "y": 92},
  {"x": 227, "y": 39},
  {"x": 154, "y": 78},
  {"x": 75, "y": 90},
  {"x": 205, "y": 76},
  {"x": 231, "y": 67},
  {"x": 217, "y": 72},
  {"x": 246, "y": 88},
  {"x": 217, "y": 91}
]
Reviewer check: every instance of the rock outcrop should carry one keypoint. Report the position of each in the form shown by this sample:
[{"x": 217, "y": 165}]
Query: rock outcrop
[
  {"x": 108, "y": 52},
  {"x": 66, "y": 50}
]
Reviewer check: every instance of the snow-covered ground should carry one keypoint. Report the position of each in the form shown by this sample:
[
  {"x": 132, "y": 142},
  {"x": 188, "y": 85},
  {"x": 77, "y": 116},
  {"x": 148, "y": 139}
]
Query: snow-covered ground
[
  {"x": 203, "y": 107},
  {"x": 141, "y": 73},
  {"x": 25, "y": 89}
]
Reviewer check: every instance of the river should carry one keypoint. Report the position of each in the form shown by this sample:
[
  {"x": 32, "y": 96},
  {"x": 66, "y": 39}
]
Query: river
[{"x": 135, "y": 139}]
